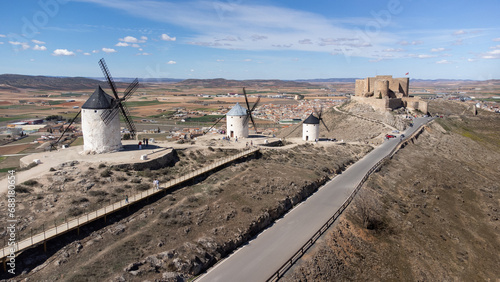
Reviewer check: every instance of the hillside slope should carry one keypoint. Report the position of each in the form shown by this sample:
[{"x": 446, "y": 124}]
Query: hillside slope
[{"x": 430, "y": 213}]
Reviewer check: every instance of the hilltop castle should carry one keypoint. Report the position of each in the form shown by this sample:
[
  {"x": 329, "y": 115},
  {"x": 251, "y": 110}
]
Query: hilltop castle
[{"x": 383, "y": 92}]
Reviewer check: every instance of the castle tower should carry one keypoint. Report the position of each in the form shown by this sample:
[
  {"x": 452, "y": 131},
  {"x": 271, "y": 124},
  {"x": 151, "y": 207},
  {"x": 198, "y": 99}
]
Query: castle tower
[
  {"x": 310, "y": 129},
  {"x": 381, "y": 88},
  {"x": 237, "y": 122},
  {"x": 99, "y": 137}
]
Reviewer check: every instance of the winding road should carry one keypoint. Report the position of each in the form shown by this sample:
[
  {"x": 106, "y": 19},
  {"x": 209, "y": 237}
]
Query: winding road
[{"x": 260, "y": 258}]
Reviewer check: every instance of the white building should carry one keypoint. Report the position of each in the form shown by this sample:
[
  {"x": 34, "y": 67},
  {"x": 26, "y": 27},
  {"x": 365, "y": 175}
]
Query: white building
[
  {"x": 310, "y": 129},
  {"x": 99, "y": 137},
  {"x": 237, "y": 122}
]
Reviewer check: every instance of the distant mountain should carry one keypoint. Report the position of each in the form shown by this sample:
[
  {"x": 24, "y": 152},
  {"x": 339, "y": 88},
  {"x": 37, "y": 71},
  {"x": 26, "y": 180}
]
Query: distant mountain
[
  {"x": 220, "y": 82},
  {"x": 148, "y": 80},
  {"x": 47, "y": 82},
  {"x": 343, "y": 80},
  {"x": 14, "y": 81}
]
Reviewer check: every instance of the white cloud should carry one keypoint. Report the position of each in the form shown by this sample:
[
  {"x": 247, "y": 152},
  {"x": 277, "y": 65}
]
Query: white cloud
[
  {"x": 495, "y": 47},
  {"x": 63, "y": 52},
  {"x": 2, "y": 35},
  {"x": 165, "y": 37},
  {"x": 220, "y": 60},
  {"x": 437, "y": 49},
  {"x": 471, "y": 60},
  {"x": 443, "y": 62},
  {"x": 247, "y": 60},
  {"x": 495, "y": 54},
  {"x": 86, "y": 54},
  {"x": 459, "y": 32},
  {"x": 95, "y": 51},
  {"x": 171, "y": 62},
  {"x": 393, "y": 50},
  {"x": 416, "y": 42},
  {"x": 421, "y": 56},
  {"x": 257, "y": 26},
  {"x": 121, "y": 44},
  {"x": 1, "y": 43},
  {"x": 37, "y": 42},
  {"x": 496, "y": 39},
  {"x": 305, "y": 41},
  {"x": 131, "y": 39},
  {"x": 40, "y": 48},
  {"x": 143, "y": 54},
  {"x": 23, "y": 45},
  {"x": 136, "y": 45},
  {"x": 458, "y": 42},
  {"x": 32, "y": 60},
  {"x": 108, "y": 50}
]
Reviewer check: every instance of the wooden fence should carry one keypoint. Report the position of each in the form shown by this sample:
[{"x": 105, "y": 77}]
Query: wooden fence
[{"x": 77, "y": 222}]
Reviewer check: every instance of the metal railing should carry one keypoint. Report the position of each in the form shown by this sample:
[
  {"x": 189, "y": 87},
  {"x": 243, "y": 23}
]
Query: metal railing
[
  {"x": 295, "y": 257},
  {"x": 77, "y": 222}
]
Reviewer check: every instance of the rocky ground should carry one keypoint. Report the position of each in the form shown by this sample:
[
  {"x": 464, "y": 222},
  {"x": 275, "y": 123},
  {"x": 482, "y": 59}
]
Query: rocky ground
[
  {"x": 430, "y": 213},
  {"x": 181, "y": 234}
]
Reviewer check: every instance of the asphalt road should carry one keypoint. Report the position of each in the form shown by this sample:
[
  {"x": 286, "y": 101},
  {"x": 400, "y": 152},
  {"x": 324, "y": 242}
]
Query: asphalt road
[{"x": 264, "y": 255}]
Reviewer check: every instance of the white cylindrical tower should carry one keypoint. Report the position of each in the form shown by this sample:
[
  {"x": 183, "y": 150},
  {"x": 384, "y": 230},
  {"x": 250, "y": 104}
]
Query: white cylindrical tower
[
  {"x": 310, "y": 129},
  {"x": 99, "y": 137},
  {"x": 237, "y": 122}
]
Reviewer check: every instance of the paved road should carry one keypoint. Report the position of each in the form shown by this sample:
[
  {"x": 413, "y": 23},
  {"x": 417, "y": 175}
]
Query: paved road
[{"x": 263, "y": 256}]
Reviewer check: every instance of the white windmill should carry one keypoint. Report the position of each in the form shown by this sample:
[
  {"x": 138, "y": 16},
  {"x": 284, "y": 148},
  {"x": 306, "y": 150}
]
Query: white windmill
[
  {"x": 100, "y": 119},
  {"x": 310, "y": 126},
  {"x": 237, "y": 119}
]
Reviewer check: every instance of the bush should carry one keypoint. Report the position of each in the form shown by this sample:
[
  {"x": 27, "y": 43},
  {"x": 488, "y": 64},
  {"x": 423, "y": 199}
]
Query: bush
[
  {"x": 79, "y": 200},
  {"x": 121, "y": 178},
  {"x": 142, "y": 187},
  {"x": 75, "y": 211},
  {"x": 136, "y": 180},
  {"x": 23, "y": 189},
  {"x": 102, "y": 166},
  {"x": 106, "y": 173},
  {"x": 97, "y": 193},
  {"x": 52, "y": 169},
  {"x": 30, "y": 182},
  {"x": 126, "y": 136}
]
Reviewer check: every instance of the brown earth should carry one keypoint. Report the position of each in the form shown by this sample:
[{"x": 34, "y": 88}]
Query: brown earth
[
  {"x": 430, "y": 214},
  {"x": 182, "y": 233}
]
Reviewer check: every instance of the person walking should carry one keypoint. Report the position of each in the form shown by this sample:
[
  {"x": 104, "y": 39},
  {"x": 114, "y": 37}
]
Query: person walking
[
  {"x": 156, "y": 183},
  {"x": 126, "y": 199},
  {"x": 140, "y": 145}
]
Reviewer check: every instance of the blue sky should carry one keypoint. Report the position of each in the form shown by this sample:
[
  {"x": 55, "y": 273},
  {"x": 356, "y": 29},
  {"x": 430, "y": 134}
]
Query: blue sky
[{"x": 243, "y": 39}]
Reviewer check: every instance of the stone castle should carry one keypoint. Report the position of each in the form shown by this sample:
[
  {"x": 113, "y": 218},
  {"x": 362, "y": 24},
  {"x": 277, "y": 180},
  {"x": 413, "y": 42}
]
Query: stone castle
[{"x": 383, "y": 92}]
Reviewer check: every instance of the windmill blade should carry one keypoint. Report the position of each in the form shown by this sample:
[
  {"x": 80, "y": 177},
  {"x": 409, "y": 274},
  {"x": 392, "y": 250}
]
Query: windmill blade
[
  {"x": 108, "y": 77},
  {"x": 325, "y": 125},
  {"x": 246, "y": 99},
  {"x": 298, "y": 126},
  {"x": 214, "y": 124},
  {"x": 253, "y": 123},
  {"x": 109, "y": 115},
  {"x": 131, "y": 89},
  {"x": 52, "y": 145},
  {"x": 126, "y": 115},
  {"x": 316, "y": 112},
  {"x": 255, "y": 105}
]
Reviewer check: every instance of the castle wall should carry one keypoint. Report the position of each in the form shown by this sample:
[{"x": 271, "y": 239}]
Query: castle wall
[{"x": 97, "y": 136}]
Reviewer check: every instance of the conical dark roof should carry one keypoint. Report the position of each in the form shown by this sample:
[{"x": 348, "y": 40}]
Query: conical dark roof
[
  {"x": 311, "y": 120},
  {"x": 98, "y": 100}
]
